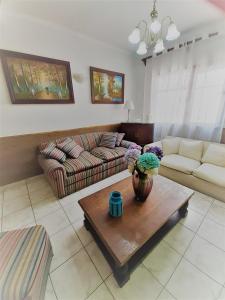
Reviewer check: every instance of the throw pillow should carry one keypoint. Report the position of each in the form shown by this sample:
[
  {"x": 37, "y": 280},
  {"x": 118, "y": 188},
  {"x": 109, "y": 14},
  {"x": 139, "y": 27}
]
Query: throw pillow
[
  {"x": 191, "y": 149},
  {"x": 70, "y": 147},
  {"x": 215, "y": 154},
  {"x": 170, "y": 145},
  {"x": 108, "y": 140},
  {"x": 50, "y": 151},
  {"x": 120, "y": 136}
]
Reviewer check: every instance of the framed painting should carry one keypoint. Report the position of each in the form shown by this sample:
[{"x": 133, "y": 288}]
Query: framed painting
[
  {"x": 106, "y": 86},
  {"x": 34, "y": 79}
]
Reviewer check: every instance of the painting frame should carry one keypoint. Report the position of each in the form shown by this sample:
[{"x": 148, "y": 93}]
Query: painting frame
[
  {"x": 7, "y": 54},
  {"x": 109, "y": 73}
]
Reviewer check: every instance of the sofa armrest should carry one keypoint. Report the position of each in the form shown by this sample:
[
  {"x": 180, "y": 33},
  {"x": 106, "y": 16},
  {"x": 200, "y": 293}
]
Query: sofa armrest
[
  {"x": 56, "y": 174},
  {"x": 126, "y": 144},
  {"x": 155, "y": 144}
]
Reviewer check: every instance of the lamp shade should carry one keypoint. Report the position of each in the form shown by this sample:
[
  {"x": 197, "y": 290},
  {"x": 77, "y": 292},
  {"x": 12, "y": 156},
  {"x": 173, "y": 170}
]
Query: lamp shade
[{"x": 129, "y": 105}]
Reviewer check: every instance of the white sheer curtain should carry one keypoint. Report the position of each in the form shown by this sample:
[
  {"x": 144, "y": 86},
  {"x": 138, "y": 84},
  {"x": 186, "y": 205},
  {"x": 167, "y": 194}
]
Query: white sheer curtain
[{"x": 185, "y": 91}]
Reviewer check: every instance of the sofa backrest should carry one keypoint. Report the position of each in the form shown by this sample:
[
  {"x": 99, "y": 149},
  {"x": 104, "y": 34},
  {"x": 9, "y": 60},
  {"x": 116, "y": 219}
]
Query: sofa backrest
[
  {"x": 205, "y": 143},
  {"x": 88, "y": 141}
]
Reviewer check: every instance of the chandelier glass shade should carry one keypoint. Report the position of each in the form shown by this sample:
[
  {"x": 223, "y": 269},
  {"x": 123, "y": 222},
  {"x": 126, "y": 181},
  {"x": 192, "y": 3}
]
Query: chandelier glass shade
[{"x": 149, "y": 33}]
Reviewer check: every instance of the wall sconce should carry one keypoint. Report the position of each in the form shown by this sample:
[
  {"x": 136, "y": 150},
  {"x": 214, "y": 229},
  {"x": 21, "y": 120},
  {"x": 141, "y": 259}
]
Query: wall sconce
[{"x": 78, "y": 77}]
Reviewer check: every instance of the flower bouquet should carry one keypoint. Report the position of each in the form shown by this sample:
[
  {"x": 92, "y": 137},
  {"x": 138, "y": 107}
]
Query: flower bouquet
[{"x": 142, "y": 167}]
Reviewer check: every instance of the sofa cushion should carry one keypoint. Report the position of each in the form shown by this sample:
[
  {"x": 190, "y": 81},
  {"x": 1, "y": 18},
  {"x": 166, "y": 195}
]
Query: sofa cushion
[
  {"x": 69, "y": 146},
  {"x": 215, "y": 155},
  {"x": 191, "y": 149},
  {"x": 50, "y": 151},
  {"x": 119, "y": 138},
  {"x": 180, "y": 163},
  {"x": 211, "y": 173},
  {"x": 108, "y": 140},
  {"x": 170, "y": 145},
  {"x": 25, "y": 258},
  {"x": 84, "y": 162},
  {"x": 108, "y": 154}
]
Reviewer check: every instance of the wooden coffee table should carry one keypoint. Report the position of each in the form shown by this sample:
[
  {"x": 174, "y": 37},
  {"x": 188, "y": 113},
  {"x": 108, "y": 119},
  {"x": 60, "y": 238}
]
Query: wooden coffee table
[{"x": 126, "y": 240}]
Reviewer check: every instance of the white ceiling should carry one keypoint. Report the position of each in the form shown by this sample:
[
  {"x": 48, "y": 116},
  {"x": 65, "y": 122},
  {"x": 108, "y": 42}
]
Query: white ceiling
[{"x": 111, "y": 21}]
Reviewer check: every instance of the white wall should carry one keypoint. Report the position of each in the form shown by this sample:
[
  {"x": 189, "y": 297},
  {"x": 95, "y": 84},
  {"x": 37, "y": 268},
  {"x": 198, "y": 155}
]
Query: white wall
[{"x": 23, "y": 34}]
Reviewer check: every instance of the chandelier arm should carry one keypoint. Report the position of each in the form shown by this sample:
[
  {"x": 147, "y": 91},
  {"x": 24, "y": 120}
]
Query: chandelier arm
[
  {"x": 163, "y": 22},
  {"x": 145, "y": 29}
]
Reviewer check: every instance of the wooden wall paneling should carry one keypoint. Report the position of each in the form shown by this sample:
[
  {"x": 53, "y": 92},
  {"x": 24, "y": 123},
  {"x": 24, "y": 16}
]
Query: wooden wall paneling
[{"x": 18, "y": 154}]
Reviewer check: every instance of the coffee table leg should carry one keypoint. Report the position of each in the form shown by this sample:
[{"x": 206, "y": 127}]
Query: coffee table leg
[
  {"x": 121, "y": 274},
  {"x": 183, "y": 211},
  {"x": 86, "y": 225}
]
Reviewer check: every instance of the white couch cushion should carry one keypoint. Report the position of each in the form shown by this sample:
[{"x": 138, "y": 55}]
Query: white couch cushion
[
  {"x": 170, "y": 145},
  {"x": 215, "y": 155},
  {"x": 211, "y": 173},
  {"x": 191, "y": 149},
  {"x": 180, "y": 163}
]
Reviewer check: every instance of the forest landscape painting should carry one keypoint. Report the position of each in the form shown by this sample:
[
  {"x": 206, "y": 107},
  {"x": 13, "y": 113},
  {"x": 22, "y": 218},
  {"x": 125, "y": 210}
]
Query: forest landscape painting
[
  {"x": 34, "y": 79},
  {"x": 106, "y": 86}
]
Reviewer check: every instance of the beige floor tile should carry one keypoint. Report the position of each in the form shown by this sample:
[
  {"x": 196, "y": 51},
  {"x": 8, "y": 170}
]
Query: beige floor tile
[
  {"x": 101, "y": 293},
  {"x": 41, "y": 194},
  {"x": 65, "y": 244},
  {"x": 14, "y": 204},
  {"x": 13, "y": 185},
  {"x": 1, "y": 197},
  {"x": 19, "y": 219},
  {"x": 213, "y": 232},
  {"x": 179, "y": 238},
  {"x": 193, "y": 220},
  {"x": 74, "y": 212},
  {"x": 45, "y": 207},
  {"x": 71, "y": 199},
  {"x": 83, "y": 234},
  {"x": 35, "y": 178},
  {"x": 15, "y": 191},
  {"x": 142, "y": 285},
  {"x": 76, "y": 279},
  {"x": 99, "y": 260},
  {"x": 162, "y": 262},
  {"x": 208, "y": 258},
  {"x": 222, "y": 295},
  {"x": 49, "y": 293},
  {"x": 37, "y": 184},
  {"x": 165, "y": 295},
  {"x": 91, "y": 189},
  {"x": 217, "y": 213},
  {"x": 188, "y": 282},
  {"x": 54, "y": 222},
  {"x": 219, "y": 203},
  {"x": 200, "y": 203}
]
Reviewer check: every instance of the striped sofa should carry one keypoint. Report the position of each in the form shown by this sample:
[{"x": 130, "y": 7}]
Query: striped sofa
[
  {"x": 93, "y": 164},
  {"x": 25, "y": 258}
]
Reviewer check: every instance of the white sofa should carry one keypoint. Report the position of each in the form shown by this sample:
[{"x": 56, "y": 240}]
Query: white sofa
[{"x": 197, "y": 164}]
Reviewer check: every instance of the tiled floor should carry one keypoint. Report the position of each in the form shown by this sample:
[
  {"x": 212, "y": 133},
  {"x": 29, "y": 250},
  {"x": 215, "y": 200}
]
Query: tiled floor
[{"x": 189, "y": 263}]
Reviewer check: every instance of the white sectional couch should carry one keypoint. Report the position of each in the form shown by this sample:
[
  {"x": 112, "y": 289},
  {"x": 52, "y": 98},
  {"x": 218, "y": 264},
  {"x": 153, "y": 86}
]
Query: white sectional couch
[{"x": 197, "y": 164}]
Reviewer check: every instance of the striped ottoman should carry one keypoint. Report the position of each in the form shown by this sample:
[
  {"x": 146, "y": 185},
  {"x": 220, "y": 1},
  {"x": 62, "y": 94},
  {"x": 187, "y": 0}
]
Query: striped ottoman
[{"x": 25, "y": 258}]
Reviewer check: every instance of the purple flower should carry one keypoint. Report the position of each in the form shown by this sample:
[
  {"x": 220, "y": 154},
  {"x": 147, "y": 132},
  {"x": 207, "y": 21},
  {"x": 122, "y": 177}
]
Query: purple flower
[
  {"x": 135, "y": 146},
  {"x": 156, "y": 150},
  {"x": 132, "y": 154}
]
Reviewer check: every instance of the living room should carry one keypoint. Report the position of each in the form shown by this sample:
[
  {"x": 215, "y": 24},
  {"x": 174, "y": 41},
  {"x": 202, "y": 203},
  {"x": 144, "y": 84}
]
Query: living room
[{"x": 112, "y": 149}]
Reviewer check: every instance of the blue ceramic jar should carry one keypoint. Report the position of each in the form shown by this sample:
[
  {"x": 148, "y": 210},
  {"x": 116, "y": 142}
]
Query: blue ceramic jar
[{"x": 115, "y": 204}]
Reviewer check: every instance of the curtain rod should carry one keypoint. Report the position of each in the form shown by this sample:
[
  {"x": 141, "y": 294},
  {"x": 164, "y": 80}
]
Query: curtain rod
[{"x": 185, "y": 44}]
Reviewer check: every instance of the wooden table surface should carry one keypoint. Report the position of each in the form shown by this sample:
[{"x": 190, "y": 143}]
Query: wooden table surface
[{"x": 140, "y": 221}]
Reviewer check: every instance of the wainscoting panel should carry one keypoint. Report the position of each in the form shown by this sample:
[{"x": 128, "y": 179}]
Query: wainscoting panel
[{"x": 18, "y": 154}]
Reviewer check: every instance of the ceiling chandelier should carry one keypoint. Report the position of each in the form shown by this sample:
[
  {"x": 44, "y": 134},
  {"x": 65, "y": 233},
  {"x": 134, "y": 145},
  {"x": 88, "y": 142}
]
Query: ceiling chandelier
[{"x": 149, "y": 33}]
